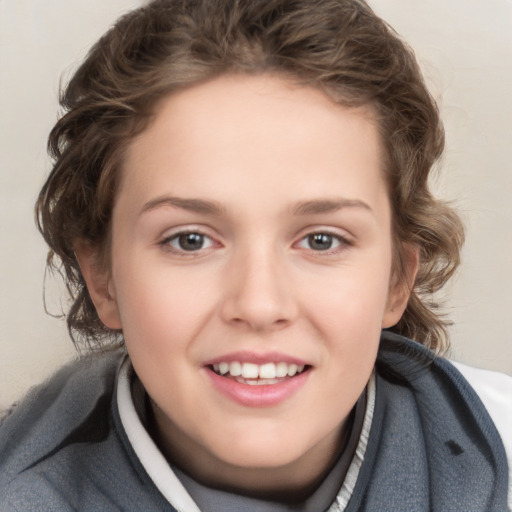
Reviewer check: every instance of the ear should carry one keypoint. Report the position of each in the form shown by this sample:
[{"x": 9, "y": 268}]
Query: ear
[
  {"x": 99, "y": 284},
  {"x": 401, "y": 286}
]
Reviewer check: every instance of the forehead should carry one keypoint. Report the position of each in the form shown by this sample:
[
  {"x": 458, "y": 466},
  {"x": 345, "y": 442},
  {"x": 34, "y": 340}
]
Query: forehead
[{"x": 263, "y": 132}]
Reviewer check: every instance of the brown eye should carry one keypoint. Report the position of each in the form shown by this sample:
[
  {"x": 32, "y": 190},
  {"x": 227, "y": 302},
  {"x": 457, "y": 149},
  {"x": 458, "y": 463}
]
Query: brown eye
[
  {"x": 323, "y": 241},
  {"x": 189, "y": 242},
  {"x": 320, "y": 241}
]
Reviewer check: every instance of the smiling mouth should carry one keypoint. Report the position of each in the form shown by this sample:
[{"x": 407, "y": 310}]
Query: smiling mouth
[{"x": 258, "y": 374}]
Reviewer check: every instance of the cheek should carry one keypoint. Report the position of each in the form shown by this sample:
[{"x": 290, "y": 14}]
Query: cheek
[
  {"x": 161, "y": 308},
  {"x": 353, "y": 298},
  {"x": 160, "y": 319},
  {"x": 347, "y": 313}
]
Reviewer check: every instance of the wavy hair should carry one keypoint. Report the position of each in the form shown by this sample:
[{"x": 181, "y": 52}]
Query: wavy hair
[{"x": 339, "y": 46}]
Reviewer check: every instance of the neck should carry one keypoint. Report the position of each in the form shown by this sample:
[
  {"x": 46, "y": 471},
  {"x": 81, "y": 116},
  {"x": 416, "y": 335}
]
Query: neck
[{"x": 291, "y": 482}]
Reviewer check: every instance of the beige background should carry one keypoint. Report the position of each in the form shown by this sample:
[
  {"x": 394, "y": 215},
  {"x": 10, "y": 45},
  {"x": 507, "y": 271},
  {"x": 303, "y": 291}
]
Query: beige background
[{"x": 465, "y": 47}]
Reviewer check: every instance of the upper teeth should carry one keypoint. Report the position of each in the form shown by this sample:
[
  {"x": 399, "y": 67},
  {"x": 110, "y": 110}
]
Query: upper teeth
[{"x": 255, "y": 371}]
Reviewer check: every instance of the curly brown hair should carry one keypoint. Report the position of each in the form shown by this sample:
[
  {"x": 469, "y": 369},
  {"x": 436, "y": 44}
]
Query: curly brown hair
[{"x": 339, "y": 46}]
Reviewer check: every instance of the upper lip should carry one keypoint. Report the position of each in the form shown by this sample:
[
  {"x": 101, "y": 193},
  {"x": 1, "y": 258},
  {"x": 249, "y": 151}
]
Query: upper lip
[{"x": 256, "y": 358}]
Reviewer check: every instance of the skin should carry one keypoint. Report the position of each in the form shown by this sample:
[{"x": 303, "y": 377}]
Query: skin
[{"x": 271, "y": 163}]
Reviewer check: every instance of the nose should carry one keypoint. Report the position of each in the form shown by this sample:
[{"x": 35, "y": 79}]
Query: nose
[{"x": 258, "y": 294}]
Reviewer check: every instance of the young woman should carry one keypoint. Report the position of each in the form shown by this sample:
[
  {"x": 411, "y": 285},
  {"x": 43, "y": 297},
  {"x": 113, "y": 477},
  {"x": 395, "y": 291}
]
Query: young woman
[{"x": 240, "y": 205}]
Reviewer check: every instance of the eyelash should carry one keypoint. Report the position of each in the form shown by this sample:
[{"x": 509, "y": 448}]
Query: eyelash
[
  {"x": 341, "y": 241},
  {"x": 166, "y": 242}
]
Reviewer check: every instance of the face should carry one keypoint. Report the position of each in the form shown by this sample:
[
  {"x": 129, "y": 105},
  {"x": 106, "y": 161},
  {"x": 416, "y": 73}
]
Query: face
[{"x": 251, "y": 275}]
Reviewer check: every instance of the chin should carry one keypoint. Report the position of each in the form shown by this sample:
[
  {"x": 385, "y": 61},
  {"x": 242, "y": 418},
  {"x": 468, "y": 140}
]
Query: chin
[
  {"x": 256, "y": 458},
  {"x": 263, "y": 449}
]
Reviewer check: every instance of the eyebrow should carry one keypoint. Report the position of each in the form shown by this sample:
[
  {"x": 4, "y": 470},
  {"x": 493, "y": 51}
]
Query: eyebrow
[
  {"x": 327, "y": 206},
  {"x": 194, "y": 205},
  {"x": 202, "y": 206}
]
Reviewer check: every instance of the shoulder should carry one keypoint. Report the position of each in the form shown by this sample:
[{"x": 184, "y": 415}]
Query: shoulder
[
  {"x": 70, "y": 409},
  {"x": 487, "y": 393},
  {"x": 455, "y": 403},
  {"x": 493, "y": 388},
  {"x": 495, "y": 391}
]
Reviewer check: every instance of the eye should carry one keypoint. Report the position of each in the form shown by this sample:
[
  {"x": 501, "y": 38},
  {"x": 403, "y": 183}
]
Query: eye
[
  {"x": 322, "y": 242},
  {"x": 189, "y": 241}
]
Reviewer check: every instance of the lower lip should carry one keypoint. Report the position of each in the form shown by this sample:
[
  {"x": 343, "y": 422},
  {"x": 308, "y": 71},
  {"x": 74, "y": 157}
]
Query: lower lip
[{"x": 265, "y": 395}]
